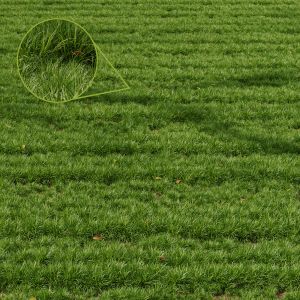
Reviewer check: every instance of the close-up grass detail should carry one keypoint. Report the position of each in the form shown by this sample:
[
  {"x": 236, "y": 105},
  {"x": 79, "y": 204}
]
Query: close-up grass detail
[{"x": 57, "y": 60}]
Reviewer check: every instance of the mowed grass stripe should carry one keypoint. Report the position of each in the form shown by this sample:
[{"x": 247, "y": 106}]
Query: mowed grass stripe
[{"x": 171, "y": 9}]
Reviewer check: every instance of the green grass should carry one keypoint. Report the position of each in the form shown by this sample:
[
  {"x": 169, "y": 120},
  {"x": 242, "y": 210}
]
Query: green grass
[
  {"x": 189, "y": 181},
  {"x": 55, "y": 80},
  {"x": 57, "y": 60}
]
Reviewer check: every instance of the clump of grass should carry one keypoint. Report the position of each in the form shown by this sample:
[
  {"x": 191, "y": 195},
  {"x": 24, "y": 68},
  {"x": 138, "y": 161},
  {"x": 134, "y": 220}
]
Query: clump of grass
[{"x": 57, "y": 60}]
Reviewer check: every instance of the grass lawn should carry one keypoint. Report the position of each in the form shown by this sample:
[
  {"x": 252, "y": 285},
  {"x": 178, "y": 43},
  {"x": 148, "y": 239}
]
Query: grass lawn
[{"x": 186, "y": 186}]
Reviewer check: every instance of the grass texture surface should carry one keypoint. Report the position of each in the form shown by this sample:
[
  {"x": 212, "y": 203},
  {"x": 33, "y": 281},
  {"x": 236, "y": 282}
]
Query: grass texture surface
[{"x": 184, "y": 187}]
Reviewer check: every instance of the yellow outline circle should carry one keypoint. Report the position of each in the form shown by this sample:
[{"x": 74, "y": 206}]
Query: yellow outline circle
[{"x": 90, "y": 82}]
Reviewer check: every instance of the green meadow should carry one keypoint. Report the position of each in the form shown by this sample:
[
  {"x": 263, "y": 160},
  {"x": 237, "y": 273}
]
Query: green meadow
[{"x": 186, "y": 186}]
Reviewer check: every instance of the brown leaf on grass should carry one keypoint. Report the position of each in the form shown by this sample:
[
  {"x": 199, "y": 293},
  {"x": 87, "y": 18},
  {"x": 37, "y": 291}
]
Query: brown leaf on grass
[
  {"x": 162, "y": 258},
  {"x": 178, "y": 181},
  {"x": 97, "y": 237},
  {"x": 280, "y": 294},
  {"x": 77, "y": 53}
]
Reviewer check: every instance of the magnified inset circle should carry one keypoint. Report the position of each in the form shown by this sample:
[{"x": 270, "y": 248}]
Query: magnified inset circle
[{"x": 57, "y": 60}]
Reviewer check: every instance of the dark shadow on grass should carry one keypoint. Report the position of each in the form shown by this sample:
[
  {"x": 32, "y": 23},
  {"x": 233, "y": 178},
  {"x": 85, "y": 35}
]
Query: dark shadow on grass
[
  {"x": 4, "y": 50},
  {"x": 266, "y": 144},
  {"x": 210, "y": 121},
  {"x": 51, "y": 2},
  {"x": 264, "y": 79},
  {"x": 274, "y": 79},
  {"x": 269, "y": 145}
]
